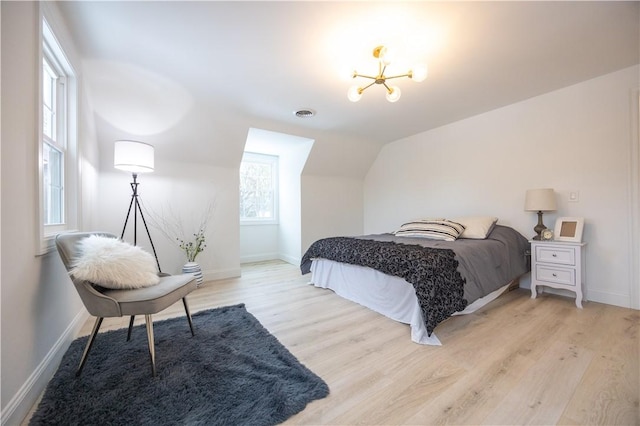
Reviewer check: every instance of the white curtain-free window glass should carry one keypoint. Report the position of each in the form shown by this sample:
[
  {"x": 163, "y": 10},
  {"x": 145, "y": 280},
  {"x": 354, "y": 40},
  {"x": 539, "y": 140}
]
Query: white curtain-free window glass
[
  {"x": 53, "y": 140},
  {"x": 258, "y": 188}
]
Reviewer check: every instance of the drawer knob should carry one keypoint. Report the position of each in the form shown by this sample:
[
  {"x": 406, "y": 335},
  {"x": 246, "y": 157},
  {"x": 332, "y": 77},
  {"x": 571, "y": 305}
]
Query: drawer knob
[
  {"x": 554, "y": 275},
  {"x": 554, "y": 255}
]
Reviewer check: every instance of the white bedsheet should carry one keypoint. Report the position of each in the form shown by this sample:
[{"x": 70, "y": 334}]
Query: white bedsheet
[{"x": 391, "y": 296}]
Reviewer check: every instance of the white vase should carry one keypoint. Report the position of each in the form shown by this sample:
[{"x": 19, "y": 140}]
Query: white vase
[{"x": 193, "y": 268}]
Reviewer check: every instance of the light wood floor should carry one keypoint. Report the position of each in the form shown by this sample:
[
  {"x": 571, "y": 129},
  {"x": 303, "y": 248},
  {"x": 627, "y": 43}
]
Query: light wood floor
[{"x": 517, "y": 361}]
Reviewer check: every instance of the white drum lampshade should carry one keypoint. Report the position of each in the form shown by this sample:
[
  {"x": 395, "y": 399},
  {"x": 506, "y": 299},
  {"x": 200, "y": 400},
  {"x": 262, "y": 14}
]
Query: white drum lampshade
[
  {"x": 133, "y": 156},
  {"x": 540, "y": 200}
]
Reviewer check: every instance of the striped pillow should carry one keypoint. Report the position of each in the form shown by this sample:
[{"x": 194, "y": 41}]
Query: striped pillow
[{"x": 445, "y": 230}]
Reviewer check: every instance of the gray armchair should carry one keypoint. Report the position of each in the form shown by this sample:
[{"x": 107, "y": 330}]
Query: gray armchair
[{"x": 103, "y": 303}]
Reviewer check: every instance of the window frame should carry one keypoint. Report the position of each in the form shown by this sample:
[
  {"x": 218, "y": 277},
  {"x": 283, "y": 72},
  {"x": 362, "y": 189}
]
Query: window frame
[
  {"x": 66, "y": 104},
  {"x": 57, "y": 141},
  {"x": 273, "y": 161}
]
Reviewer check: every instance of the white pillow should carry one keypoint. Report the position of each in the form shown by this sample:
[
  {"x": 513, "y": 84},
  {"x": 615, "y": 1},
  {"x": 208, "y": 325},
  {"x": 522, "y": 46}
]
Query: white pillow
[
  {"x": 445, "y": 230},
  {"x": 114, "y": 264},
  {"x": 476, "y": 227}
]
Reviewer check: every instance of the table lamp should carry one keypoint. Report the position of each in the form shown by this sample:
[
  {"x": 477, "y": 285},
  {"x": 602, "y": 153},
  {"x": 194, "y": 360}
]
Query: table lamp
[{"x": 540, "y": 200}]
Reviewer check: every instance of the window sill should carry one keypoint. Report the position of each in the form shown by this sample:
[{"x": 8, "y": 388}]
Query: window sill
[
  {"x": 258, "y": 222},
  {"x": 47, "y": 245},
  {"x": 48, "y": 242}
]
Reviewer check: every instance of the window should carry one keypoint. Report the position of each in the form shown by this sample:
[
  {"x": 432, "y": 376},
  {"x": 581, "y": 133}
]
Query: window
[
  {"x": 258, "y": 188},
  {"x": 57, "y": 142}
]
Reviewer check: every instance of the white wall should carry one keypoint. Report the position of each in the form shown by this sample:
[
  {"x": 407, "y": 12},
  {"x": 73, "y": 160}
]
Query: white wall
[
  {"x": 259, "y": 242},
  {"x": 41, "y": 311},
  {"x": 181, "y": 191},
  {"x": 292, "y": 161},
  {"x": 331, "y": 206},
  {"x": 575, "y": 139}
]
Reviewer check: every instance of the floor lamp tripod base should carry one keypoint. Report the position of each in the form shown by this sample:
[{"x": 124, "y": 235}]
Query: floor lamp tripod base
[{"x": 135, "y": 206}]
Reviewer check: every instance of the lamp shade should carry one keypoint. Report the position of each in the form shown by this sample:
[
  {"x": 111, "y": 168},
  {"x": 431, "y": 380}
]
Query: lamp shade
[
  {"x": 354, "y": 94},
  {"x": 133, "y": 156},
  {"x": 394, "y": 94},
  {"x": 419, "y": 73},
  {"x": 540, "y": 200}
]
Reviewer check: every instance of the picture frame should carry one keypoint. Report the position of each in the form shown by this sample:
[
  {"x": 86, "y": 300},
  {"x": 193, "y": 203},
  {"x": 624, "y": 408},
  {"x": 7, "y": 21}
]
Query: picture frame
[{"x": 569, "y": 229}]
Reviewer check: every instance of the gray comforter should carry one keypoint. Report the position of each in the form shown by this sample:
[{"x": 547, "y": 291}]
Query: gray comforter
[{"x": 486, "y": 265}]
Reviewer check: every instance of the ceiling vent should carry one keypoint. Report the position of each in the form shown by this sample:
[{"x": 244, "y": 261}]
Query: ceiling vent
[{"x": 304, "y": 113}]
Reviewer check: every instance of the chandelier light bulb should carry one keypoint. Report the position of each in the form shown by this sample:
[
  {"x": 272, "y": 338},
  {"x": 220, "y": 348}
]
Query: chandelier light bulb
[
  {"x": 354, "y": 94},
  {"x": 393, "y": 94},
  {"x": 385, "y": 55},
  {"x": 419, "y": 73}
]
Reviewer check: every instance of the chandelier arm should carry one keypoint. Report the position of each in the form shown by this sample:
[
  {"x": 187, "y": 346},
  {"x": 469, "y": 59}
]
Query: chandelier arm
[
  {"x": 398, "y": 76},
  {"x": 367, "y": 86},
  {"x": 387, "y": 87},
  {"x": 364, "y": 76}
]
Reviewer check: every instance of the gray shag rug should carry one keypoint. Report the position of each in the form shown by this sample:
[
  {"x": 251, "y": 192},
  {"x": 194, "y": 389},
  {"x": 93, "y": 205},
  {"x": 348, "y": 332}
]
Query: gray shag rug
[{"x": 232, "y": 372}]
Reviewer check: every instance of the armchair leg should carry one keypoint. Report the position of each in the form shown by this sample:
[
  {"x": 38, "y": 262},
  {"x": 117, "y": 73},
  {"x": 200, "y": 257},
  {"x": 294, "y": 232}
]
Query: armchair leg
[
  {"x": 186, "y": 309},
  {"x": 133, "y": 317},
  {"x": 152, "y": 350},
  {"x": 92, "y": 337}
]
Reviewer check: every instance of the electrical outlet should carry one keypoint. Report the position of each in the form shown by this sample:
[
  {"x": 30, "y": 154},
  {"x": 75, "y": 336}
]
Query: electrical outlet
[{"x": 574, "y": 196}]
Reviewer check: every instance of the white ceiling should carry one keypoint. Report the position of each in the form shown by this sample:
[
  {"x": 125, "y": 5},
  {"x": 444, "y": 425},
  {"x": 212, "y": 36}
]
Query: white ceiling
[{"x": 193, "y": 77}]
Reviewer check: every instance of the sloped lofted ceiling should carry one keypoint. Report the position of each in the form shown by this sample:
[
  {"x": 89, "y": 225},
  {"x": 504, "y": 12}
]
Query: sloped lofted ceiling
[{"x": 193, "y": 77}]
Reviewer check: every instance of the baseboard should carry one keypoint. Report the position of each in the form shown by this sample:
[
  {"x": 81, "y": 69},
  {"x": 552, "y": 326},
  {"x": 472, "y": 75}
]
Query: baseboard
[
  {"x": 259, "y": 257},
  {"x": 290, "y": 259},
  {"x": 270, "y": 256},
  {"x": 22, "y": 402},
  {"x": 221, "y": 274},
  {"x": 621, "y": 300}
]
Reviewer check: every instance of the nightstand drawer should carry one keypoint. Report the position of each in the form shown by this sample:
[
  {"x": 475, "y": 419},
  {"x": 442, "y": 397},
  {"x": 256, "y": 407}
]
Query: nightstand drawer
[
  {"x": 555, "y": 254},
  {"x": 558, "y": 276}
]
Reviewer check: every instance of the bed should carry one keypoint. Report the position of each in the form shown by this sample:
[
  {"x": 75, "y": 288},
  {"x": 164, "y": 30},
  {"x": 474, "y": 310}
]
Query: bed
[{"x": 420, "y": 279}]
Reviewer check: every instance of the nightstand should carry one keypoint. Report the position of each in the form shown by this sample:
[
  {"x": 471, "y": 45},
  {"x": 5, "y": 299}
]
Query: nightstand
[{"x": 558, "y": 264}]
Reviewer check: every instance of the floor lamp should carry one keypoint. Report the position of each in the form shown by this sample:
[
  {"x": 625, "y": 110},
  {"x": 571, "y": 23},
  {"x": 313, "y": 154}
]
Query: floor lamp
[{"x": 135, "y": 157}]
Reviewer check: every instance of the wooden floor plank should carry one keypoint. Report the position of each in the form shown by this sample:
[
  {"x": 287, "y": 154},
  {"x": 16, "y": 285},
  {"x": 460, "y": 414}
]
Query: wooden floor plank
[
  {"x": 542, "y": 395},
  {"x": 612, "y": 382}
]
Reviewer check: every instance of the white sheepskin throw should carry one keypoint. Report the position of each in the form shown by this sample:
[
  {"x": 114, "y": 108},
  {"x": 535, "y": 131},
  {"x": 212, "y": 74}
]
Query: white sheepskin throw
[{"x": 114, "y": 264}]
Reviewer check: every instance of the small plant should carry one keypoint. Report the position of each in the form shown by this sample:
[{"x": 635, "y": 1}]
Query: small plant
[{"x": 193, "y": 248}]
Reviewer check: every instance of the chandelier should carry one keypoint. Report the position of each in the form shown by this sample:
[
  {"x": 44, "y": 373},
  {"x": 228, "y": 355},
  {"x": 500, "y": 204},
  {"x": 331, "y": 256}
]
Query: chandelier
[{"x": 417, "y": 74}]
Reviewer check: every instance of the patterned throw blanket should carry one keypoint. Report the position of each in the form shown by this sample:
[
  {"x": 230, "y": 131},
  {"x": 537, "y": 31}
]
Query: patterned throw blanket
[{"x": 432, "y": 272}]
